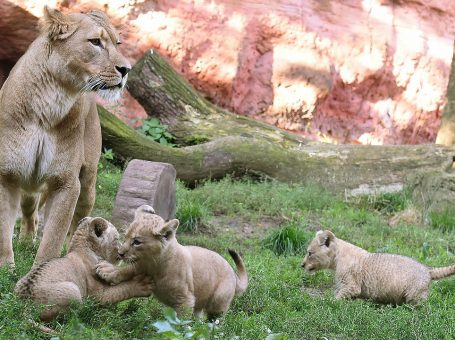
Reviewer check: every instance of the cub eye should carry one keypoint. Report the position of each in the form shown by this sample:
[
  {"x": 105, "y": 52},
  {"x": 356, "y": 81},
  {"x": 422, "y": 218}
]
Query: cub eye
[
  {"x": 310, "y": 253},
  {"x": 96, "y": 42},
  {"x": 136, "y": 242}
]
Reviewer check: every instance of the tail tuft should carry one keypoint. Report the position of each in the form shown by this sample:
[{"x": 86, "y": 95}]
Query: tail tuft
[
  {"x": 242, "y": 277},
  {"x": 442, "y": 272}
]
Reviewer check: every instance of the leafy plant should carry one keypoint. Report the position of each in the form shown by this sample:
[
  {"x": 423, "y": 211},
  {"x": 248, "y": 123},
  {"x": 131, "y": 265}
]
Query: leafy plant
[
  {"x": 174, "y": 328},
  {"x": 289, "y": 240},
  {"x": 153, "y": 128},
  {"x": 107, "y": 156}
]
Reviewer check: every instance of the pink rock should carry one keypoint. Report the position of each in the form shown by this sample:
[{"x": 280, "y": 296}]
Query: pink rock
[{"x": 349, "y": 71}]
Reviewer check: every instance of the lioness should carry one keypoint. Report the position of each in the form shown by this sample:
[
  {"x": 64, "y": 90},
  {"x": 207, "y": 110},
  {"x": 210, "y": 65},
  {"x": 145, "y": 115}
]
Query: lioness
[
  {"x": 384, "y": 278},
  {"x": 59, "y": 281},
  {"x": 184, "y": 276},
  {"x": 50, "y": 136}
]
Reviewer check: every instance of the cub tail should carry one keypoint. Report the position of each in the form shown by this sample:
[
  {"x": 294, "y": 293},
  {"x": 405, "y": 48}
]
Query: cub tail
[
  {"x": 242, "y": 277},
  {"x": 442, "y": 272}
]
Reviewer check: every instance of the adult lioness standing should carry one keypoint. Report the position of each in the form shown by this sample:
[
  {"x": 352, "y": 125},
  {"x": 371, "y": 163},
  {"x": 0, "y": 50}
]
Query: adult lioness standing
[{"x": 50, "y": 136}]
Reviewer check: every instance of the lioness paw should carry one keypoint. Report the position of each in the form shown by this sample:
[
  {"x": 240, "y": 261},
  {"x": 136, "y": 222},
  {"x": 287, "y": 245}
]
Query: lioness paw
[{"x": 107, "y": 272}]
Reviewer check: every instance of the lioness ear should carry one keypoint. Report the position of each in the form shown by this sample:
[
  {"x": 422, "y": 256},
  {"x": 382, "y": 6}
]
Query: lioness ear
[
  {"x": 325, "y": 237},
  {"x": 56, "y": 24},
  {"x": 170, "y": 228},
  {"x": 99, "y": 226}
]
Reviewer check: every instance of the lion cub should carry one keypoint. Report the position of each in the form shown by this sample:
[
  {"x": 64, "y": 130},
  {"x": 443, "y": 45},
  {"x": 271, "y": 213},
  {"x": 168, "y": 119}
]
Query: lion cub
[
  {"x": 385, "y": 278},
  {"x": 59, "y": 281},
  {"x": 183, "y": 276}
]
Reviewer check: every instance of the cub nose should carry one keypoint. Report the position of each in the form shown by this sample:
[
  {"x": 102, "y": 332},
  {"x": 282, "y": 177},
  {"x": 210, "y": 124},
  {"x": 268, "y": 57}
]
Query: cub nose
[
  {"x": 123, "y": 70},
  {"x": 303, "y": 264},
  {"x": 121, "y": 253}
]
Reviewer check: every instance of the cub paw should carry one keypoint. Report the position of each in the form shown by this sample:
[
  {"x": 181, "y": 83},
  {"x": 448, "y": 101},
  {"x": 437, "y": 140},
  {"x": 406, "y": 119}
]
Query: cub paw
[
  {"x": 144, "y": 286},
  {"x": 107, "y": 272}
]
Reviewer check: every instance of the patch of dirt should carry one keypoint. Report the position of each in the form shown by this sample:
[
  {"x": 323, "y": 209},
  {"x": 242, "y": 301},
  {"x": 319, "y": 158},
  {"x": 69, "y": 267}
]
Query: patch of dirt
[{"x": 314, "y": 292}]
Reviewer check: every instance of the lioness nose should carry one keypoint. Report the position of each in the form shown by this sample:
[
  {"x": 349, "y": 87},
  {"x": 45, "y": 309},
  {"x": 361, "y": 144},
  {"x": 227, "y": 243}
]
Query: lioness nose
[
  {"x": 123, "y": 70},
  {"x": 121, "y": 253}
]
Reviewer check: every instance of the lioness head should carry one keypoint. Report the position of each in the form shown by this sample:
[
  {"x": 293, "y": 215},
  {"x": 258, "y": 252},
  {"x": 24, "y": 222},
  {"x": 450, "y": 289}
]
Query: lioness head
[
  {"x": 83, "y": 54},
  {"x": 98, "y": 235},
  {"x": 321, "y": 252},
  {"x": 148, "y": 234}
]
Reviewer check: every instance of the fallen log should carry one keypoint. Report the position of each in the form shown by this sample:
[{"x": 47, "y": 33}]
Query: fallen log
[
  {"x": 346, "y": 169},
  {"x": 191, "y": 118}
]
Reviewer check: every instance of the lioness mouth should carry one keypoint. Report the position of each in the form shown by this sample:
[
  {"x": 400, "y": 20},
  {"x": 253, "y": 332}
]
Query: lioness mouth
[{"x": 106, "y": 87}]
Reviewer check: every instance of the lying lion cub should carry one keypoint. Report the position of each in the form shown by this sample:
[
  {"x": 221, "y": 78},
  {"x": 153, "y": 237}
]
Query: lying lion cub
[
  {"x": 385, "y": 278},
  {"x": 183, "y": 276},
  {"x": 61, "y": 280}
]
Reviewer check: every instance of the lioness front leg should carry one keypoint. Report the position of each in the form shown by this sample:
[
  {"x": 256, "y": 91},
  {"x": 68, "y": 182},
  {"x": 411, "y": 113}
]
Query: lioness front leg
[
  {"x": 60, "y": 207},
  {"x": 30, "y": 219},
  {"x": 114, "y": 274},
  {"x": 86, "y": 200},
  {"x": 9, "y": 202},
  {"x": 138, "y": 287}
]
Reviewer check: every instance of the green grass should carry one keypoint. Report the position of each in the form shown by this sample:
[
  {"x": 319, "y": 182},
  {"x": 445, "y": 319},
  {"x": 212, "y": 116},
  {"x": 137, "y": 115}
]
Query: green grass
[
  {"x": 290, "y": 239},
  {"x": 445, "y": 220},
  {"x": 251, "y": 217}
]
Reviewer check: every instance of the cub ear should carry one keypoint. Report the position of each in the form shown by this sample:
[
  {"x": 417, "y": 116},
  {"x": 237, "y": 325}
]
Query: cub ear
[
  {"x": 170, "y": 228},
  {"x": 99, "y": 226},
  {"x": 325, "y": 237},
  {"x": 56, "y": 24}
]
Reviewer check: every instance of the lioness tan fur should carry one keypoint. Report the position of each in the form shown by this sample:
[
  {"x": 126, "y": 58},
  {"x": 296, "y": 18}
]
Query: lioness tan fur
[
  {"x": 50, "y": 136},
  {"x": 184, "y": 276},
  {"x": 59, "y": 281},
  {"x": 384, "y": 278}
]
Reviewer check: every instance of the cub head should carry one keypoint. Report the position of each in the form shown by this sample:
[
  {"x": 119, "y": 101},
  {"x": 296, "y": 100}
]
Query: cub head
[
  {"x": 149, "y": 235},
  {"x": 98, "y": 235},
  {"x": 83, "y": 52},
  {"x": 321, "y": 252}
]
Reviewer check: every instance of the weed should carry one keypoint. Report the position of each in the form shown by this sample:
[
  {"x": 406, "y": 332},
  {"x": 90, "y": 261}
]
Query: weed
[
  {"x": 153, "y": 128},
  {"x": 288, "y": 240},
  {"x": 106, "y": 159},
  {"x": 190, "y": 214}
]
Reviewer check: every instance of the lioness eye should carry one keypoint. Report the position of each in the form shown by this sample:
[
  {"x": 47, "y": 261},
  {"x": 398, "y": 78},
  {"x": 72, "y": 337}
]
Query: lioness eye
[
  {"x": 96, "y": 42},
  {"x": 136, "y": 242}
]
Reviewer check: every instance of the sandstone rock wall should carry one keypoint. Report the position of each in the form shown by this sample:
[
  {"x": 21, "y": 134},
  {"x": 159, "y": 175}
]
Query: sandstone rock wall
[{"x": 351, "y": 71}]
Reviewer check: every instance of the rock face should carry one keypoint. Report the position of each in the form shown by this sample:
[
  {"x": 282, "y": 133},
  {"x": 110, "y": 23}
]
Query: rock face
[
  {"x": 145, "y": 182},
  {"x": 371, "y": 71}
]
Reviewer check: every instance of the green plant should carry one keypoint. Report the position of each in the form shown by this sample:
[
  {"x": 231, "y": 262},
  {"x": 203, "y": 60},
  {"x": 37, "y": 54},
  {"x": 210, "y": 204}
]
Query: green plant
[
  {"x": 190, "y": 215},
  {"x": 153, "y": 128},
  {"x": 443, "y": 220},
  {"x": 174, "y": 328},
  {"x": 107, "y": 157},
  {"x": 288, "y": 240}
]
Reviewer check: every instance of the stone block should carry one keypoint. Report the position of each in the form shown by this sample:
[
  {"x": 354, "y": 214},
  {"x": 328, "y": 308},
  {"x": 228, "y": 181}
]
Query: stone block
[{"x": 145, "y": 182}]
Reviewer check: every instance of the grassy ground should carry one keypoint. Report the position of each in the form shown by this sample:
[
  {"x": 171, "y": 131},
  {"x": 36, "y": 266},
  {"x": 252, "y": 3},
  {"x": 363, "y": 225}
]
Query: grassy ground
[{"x": 262, "y": 220}]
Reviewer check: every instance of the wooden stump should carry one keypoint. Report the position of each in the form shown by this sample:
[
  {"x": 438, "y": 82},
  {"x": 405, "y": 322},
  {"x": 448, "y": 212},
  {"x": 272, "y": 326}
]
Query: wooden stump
[{"x": 145, "y": 182}]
